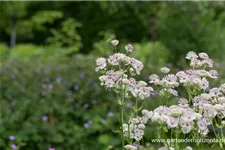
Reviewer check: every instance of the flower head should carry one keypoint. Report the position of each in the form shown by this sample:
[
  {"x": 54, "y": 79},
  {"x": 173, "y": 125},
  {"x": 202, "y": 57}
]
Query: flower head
[{"x": 129, "y": 48}]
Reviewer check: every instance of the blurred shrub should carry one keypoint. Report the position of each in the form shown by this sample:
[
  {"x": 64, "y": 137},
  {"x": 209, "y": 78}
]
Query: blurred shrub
[
  {"x": 185, "y": 26},
  {"x": 67, "y": 36},
  {"x": 4, "y": 51},
  {"x": 101, "y": 47},
  {"x": 55, "y": 103},
  {"x": 152, "y": 53}
]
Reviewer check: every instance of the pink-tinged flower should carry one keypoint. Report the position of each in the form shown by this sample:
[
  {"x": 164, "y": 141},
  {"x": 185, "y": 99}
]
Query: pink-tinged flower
[
  {"x": 136, "y": 64},
  {"x": 208, "y": 62},
  {"x": 195, "y": 62},
  {"x": 101, "y": 64},
  {"x": 51, "y": 149},
  {"x": 129, "y": 48},
  {"x": 183, "y": 102},
  {"x": 116, "y": 58},
  {"x": 154, "y": 79},
  {"x": 172, "y": 122},
  {"x": 204, "y": 84},
  {"x": 215, "y": 92},
  {"x": 12, "y": 138},
  {"x": 213, "y": 74}
]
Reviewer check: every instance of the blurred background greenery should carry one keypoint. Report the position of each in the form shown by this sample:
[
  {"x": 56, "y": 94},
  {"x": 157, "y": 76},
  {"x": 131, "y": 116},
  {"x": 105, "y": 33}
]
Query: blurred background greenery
[{"x": 50, "y": 94}]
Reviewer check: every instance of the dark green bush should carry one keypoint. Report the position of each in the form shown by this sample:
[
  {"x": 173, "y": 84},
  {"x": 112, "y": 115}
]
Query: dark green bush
[{"x": 55, "y": 103}]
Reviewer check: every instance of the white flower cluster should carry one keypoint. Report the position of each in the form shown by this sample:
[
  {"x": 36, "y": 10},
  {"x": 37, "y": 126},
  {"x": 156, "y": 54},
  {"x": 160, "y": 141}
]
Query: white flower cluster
[
  {"x": 116, "y": 59},
  {"x": 139, "y": 89},
  {"x": 211, "y": 104},
  {"x": 202, "y": 59},
  {"x": 120, "y": 80},
  {"x": 195, "y": 114},
  {"x": 135, "y": 129},
  {"x": 168, "y": 82},
  {"x": 175, "y": 116},
  {"x": 197, "y": 76}
]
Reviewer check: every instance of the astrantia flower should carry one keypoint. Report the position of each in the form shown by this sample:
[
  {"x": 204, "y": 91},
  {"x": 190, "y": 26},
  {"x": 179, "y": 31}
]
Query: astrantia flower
[
  {"x": 116, "y": 58},
  {"x": 204, "y": 84},
  {"x": 208, "y": 62},
  {"x": 195, "y": 62},
  {"x": 183, "y": 102},
  {"x": 213, "y": 74},
  {"x": 129, "y": 48},
  {"x": 101, "y": 64},
  {"x": 172, "y": 122},
  {"x": 215, "y": 92},
  {"x": 51, "y": 149},
  {"x": 190, "y": 55},
  {"x": 136, "y": 64},
  {"x": 154, "y": 79},
  {"x": 203, "y": 55}
]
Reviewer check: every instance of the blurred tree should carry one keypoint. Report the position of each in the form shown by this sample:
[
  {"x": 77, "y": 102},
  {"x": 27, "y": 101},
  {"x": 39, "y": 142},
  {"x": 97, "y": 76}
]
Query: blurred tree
[{"x": 185, "y": 26}]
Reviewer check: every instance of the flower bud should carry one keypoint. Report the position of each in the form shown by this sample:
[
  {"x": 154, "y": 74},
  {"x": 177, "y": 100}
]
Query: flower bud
[
  {"x": 114, "y": 42},
  {"x": 165, "y": 70}
]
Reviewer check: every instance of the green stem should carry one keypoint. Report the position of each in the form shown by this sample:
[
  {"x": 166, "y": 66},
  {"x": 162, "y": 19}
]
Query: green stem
[
  {"x": 136, "y": 111},
  {"x": 177, "y": 146},
  {"x": 218, "y": 137},
  {"x": 121, "y": 120}
]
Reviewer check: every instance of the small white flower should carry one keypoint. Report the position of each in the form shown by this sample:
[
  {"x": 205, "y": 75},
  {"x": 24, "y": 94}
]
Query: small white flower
[
  {"x": 173, "y": 92},
  {"x": 204, "y": 84},
  {"x": 101, "y": 63},
  {"x": 203, "y": 55},
  {"x": 208, "y": 62},
  {"x": 141, "y": 126},
  {"x": 176, "y": 112},
  {"x": 129, "y": 48},
  {"x": 218, "y": 107},
  {"x": 130, "y": 147},
  {"x": 190, "y": 55},
  {"x": 213, "y": 74}
]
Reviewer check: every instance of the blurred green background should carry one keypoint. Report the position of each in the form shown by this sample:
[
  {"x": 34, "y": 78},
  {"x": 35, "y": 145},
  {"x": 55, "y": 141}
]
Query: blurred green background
[{"x": 50, "y": 94}]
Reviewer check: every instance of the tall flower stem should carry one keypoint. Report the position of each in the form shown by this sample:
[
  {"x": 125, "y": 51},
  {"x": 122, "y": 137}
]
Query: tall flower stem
[{"x": 121, "y": 120}]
